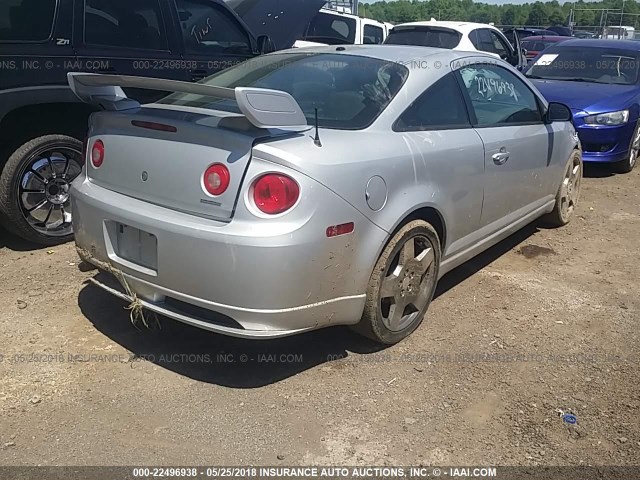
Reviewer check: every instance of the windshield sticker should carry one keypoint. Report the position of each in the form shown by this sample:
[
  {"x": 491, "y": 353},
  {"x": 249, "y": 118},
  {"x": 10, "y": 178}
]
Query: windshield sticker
[
  {"x": 546, "y": 59},
  {"x": 200, "y": 32},
  {"x": 488, "y": 87}
]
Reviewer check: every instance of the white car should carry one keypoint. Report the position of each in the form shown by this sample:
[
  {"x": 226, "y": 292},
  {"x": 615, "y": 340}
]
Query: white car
[{"x": 465, "y": 36}]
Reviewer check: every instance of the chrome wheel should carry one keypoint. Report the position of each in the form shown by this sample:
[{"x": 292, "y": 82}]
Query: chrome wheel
[
  {"x": 43, "y": 189},
  {"x": 407, "y": 287},
  {"x": 570, "y": 189}
]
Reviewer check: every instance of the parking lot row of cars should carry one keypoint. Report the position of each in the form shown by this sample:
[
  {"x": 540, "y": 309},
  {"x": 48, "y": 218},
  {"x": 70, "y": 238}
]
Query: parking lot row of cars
[{"x": 298, "y": 189}]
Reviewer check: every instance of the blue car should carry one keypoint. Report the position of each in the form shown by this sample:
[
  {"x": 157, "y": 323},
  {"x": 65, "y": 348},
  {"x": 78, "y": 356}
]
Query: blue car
[{"x": 598, "y": 80}]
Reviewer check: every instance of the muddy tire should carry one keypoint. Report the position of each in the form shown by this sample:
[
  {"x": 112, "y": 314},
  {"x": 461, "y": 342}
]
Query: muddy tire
[
  {"x": 402, "y": 284},
  {"x": 568, "y": 193},
  {"x": 34, "y": 189},
  {"x": 626, "y": 165}
]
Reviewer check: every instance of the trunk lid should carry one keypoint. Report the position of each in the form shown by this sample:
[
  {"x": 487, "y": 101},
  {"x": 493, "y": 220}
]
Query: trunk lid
[{"x": 166, "y": 168}]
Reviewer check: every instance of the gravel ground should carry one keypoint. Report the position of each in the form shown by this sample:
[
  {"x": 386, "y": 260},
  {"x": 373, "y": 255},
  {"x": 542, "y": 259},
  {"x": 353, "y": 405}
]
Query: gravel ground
[{"x": 545, "y": 323}]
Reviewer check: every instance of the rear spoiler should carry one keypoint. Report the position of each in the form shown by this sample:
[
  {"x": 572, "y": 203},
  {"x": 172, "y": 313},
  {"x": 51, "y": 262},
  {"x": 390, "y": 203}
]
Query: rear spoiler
[{"x": 264, "y": 108}]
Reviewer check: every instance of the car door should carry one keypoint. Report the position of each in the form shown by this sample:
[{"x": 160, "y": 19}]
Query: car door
[
  {"x": 518, "y": 145},
  {"x": 213, "y": 37},
  {"x": 481, "y": 39},
  {"x": 437, "y": 128},
  {"x": 35, "y": 50},
  {"x": 127, "y": 37},
  {"x": 504, "y": 49}
]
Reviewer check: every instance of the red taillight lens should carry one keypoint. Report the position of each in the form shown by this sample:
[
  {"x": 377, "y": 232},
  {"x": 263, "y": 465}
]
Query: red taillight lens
[
  {"x": 216, "y": 179},
  {"x": 97, "y": 153},
  {"x": 275, "y": 193}
]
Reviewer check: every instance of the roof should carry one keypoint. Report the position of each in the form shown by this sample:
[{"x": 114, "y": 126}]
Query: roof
[
  {"x": 391, "y": 53},
  {"x": 528, "y": 29},
  {"x": 462, "y": 27},
  {"x": 553, "y": 38},
  {"x": 602, "y": 43}
]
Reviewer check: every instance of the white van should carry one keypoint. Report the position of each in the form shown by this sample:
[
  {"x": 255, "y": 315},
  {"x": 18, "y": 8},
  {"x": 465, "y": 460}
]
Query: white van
[
  {"x": 330, "y": 27},
  {"x": 622, "y": 33}
]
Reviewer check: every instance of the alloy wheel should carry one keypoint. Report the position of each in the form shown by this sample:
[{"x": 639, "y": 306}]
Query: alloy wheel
[
  {"x": 570, "y": 190},
  {"x": 407, "y": 286},
  {"x": 635, "y": 148},
  {"x": 43, "y": 190}
]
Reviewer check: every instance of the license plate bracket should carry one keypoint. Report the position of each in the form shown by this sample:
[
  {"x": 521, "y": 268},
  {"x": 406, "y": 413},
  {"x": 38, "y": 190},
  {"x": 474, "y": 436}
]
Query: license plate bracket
[{"x": 136, "y": 246}]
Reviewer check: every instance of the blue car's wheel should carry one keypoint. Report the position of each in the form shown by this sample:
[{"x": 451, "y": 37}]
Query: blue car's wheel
[{"x": 626, "y": 165}]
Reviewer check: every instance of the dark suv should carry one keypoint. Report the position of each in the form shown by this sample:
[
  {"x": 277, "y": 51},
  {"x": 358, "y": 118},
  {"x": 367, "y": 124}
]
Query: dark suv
[{"x": 42, "y": 122}]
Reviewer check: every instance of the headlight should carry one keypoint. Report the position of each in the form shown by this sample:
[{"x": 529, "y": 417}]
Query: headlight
[{"x": 613, "y": 118}]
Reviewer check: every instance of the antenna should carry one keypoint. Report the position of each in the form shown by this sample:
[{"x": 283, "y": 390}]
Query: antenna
[{"x": 316, "y": 139}]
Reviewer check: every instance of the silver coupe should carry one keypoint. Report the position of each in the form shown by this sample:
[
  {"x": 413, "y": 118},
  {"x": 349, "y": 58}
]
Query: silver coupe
[{"x": 315, "y": 187}]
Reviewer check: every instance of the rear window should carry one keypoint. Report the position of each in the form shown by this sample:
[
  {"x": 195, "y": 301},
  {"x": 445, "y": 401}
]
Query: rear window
[
  {"x": 424, "y": 37},
  {"x": 536, "y": 45},
  {"x": 331, "y": 29},
  {"x": 26, "y": 20},
  {"x": 350, "y": 92}
]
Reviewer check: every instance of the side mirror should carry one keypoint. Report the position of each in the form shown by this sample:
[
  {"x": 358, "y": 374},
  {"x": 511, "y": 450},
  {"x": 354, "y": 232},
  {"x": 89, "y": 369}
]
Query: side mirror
[
  {"x": 524, "y": 52},
  {"x": 265, "y": 44},
  {"x": 558, "y": 112}
]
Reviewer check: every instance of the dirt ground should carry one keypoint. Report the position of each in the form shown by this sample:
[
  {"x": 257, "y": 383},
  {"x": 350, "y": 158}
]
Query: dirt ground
[{"x": 543, "y": 324}]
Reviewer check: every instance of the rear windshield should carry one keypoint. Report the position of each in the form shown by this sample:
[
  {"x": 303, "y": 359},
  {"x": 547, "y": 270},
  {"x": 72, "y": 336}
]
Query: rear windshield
[
  {"x": 350, "y": 92},
  {"x": 536, "y": 45},
  {"x": 593, "y": 65},
  {"x": 424, "y": 37},
  {"x": 331, "y": 29},
  {"x": 26, "y": 20}
]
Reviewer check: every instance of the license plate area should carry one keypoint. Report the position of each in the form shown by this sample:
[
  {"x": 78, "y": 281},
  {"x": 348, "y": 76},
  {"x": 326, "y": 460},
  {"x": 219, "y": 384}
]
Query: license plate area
[{"x": 136, "y": 246}]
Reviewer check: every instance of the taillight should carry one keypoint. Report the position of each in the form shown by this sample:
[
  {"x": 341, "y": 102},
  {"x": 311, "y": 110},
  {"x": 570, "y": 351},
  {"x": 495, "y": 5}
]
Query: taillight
[
  {"x": 97, "y": 153},
  {"x": 216, "y": 179},
  {"x": 275, "y": 193}
]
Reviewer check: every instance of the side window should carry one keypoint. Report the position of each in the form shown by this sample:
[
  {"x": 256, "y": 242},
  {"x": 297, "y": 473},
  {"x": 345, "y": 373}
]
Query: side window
[
  {"x": 122, "y": 23},
  {"x": 485, "y": 41},
  {"x": 26, "y": 20},
  {"x": 499, "y": 97},
  {"x": 499, "y": 45},
  {"x": 373, "y": 35},
  {"x": 440, "y": 107},
  {"x": 473, "y": 36},
  {"x": 209, "y": 29}
]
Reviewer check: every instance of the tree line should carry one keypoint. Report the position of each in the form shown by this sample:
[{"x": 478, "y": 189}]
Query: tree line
[{"x": 541, "y": 14}]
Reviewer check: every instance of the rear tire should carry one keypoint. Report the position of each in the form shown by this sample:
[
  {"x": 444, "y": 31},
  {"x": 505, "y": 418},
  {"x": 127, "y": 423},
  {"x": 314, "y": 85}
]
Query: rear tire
[
  {"x": 38, "y": 175},
  {"x": 626, "y": 165},
  {"x": 568, "y": 193},
  {"x": 402, "y": 284}
]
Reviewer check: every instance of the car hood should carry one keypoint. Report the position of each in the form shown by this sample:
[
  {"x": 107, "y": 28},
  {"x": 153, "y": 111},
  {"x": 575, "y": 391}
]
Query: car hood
[
  {"x": 283, "y": 20},
  {"x": 588, "y": 97}
]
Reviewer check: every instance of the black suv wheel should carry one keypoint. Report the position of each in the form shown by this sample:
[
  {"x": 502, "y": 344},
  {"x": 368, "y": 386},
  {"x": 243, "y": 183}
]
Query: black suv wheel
[{"x": 34, "y": 189}]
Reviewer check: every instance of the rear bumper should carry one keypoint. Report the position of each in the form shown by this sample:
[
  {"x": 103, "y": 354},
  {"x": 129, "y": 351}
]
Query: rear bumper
[{"x": 261, "y": 281}]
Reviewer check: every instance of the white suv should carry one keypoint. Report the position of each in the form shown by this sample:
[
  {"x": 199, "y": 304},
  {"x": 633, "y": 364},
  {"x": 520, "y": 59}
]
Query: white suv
[{"x": 466, "y": 36}]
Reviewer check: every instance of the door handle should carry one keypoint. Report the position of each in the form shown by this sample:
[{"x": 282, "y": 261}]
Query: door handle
[{"x": 501, "y": 158}]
